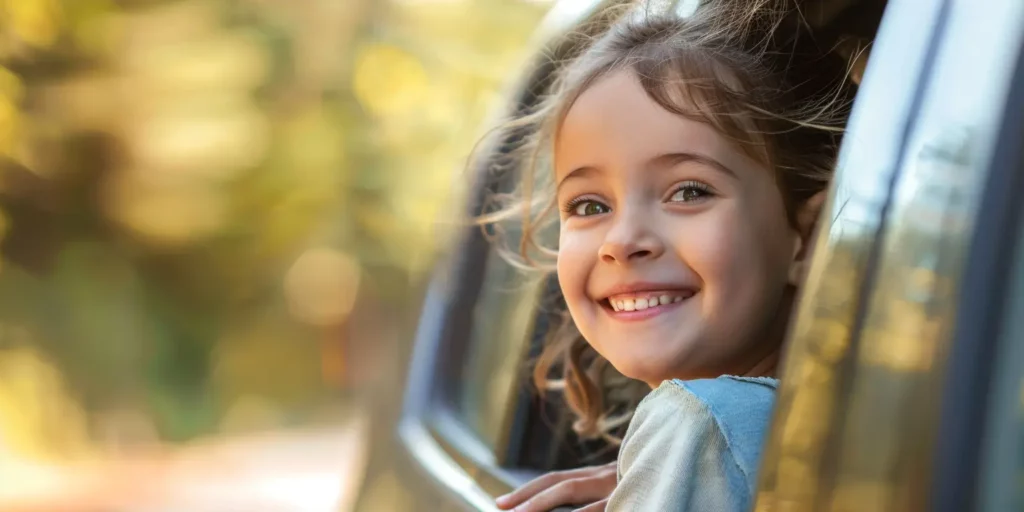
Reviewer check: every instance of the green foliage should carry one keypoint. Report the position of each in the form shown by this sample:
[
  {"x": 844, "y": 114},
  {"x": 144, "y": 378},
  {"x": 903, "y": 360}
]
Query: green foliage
[{"x": 164, "y": 165}]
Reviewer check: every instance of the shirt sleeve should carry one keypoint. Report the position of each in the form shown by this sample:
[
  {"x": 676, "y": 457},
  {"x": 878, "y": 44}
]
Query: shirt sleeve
[{"x": 675, "y": 458}]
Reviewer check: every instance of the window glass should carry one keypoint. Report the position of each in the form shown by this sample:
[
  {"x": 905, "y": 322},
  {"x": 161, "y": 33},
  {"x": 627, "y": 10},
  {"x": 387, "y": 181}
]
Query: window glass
[{"x": 502, "y": 318}]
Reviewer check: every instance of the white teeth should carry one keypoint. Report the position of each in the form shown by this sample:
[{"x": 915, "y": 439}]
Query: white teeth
[{"x": 642, "y": 303}]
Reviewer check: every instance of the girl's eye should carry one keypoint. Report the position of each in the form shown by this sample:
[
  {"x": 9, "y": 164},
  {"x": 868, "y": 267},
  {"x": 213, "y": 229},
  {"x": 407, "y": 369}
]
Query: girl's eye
[
  {"x": 690, "y": 191},
  {"x": 586, "y": 208}
]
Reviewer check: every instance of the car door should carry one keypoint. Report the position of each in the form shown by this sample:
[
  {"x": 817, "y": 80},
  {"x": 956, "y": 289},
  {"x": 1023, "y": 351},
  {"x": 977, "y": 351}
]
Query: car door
[{"x": 904, "y": 327}]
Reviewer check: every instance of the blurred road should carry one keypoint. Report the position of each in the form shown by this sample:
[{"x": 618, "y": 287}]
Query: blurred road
[{"x": 299, "y": 471}]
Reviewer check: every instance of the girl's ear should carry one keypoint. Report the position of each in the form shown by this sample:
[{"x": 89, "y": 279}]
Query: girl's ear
[{"x": 806, "y": 220}]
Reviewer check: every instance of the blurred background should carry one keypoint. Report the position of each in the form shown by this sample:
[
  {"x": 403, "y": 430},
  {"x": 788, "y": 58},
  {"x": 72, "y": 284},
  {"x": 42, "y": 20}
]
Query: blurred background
[{"x": 216, "y": 222}]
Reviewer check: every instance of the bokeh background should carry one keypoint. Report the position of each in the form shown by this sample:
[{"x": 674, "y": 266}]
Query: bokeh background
[{"x": 217, "y": 218}]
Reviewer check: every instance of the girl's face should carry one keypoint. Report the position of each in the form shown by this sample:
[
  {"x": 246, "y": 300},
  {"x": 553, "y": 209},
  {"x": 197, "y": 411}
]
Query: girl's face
[{"x": 675, "y": 253}]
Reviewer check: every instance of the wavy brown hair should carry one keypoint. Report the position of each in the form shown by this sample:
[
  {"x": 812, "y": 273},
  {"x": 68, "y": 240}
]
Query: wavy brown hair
[{"x": 749, "y": 69}]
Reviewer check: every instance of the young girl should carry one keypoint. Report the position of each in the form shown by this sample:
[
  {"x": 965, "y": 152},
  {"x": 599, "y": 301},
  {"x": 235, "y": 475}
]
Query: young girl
[{"x": 688, "y": 159}]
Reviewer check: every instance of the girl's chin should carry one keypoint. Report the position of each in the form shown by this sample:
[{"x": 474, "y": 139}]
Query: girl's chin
[
  {"x": 654, "y": 361},
  {"x": 651, "y": 372}
]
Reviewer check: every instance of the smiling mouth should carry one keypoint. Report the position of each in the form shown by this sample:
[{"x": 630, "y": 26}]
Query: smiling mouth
[{"x": 626, "y": 303}]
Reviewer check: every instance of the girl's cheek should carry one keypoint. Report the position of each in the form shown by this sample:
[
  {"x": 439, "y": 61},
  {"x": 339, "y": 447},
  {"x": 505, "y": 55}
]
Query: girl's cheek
[
  {"x": 706, "y": 245},
  {"x": 574, "y": 247},
  {"x": 573, "y": 265}
]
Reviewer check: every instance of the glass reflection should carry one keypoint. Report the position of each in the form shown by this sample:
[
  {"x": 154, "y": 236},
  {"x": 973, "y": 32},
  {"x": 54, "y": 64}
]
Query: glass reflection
[
  {"x": 491, "y": 376},
  {"x": 812, "y": 398},
  {"x": 854, "y": 429}
]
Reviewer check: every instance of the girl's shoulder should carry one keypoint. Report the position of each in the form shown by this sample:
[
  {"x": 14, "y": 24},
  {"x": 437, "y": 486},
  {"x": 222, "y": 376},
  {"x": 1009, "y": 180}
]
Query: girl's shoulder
[
  {"x": 740, "y": 408},
  {"x": 695, "y": 442},
  {"x": 728, "y": 397}
]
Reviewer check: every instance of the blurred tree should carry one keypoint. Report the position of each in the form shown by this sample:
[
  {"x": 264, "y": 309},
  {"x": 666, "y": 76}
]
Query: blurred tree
[{"x": 164, "y": 164}]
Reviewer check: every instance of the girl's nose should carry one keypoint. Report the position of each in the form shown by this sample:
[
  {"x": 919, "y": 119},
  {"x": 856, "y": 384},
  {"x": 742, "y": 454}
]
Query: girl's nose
[{"x": 631, "y": 240}]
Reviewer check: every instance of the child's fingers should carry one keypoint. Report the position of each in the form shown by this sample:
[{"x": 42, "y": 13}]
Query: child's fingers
[
  {"x": 583, "y": 485},
  {"x": 594, "y": 507},
  {"x": 569, "y": 492},
  {"x": 532, "y": 488},
  {"x": 540, "y": 484}
]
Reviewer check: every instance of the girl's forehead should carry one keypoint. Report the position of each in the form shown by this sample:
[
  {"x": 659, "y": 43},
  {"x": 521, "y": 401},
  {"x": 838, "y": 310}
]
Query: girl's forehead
[{"x": 616, "y": 122}]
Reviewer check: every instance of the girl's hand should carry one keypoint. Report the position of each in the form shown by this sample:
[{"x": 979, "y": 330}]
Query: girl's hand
[{"x": 590, "y": 485}]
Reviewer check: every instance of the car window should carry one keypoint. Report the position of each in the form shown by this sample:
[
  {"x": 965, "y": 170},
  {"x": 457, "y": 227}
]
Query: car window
[{"x": 494, "y": 365}]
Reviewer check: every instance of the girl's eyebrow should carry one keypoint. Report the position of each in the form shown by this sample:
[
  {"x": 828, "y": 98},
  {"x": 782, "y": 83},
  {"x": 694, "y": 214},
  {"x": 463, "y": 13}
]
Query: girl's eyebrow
[
  {"x": 578, "y": 172},
  {"x": 672, "y": 159}
]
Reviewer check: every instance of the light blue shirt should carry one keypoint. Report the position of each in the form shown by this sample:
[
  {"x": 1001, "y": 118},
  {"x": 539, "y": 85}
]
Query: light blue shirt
[{"x": 695, "y": 446}]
